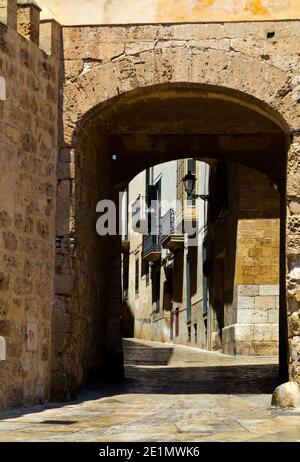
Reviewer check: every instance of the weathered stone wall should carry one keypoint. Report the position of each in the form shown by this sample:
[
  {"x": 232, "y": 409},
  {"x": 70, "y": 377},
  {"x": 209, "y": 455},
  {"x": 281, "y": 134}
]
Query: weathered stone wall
[
  {"x": 293, "y": 259},
  {"x": 257, "y": 266},
  {"x": 103, "y": 62},
  {"x": 260, "y": 60},
  {"x": 252, "y": 289},
  {"x": 28, "y": 126},
  {"x": 87, "y": 275},
  {"x": 258, "y": 229},
  {"x": 28, "y": 20}
]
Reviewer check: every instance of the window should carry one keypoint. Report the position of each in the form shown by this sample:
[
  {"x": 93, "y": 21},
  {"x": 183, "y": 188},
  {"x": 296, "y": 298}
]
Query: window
[
  {"x": 136, "y": 211},
  {"x": 196, "y": 332},
  {"x": 180, "y": 185},
  {"x": 126, "y": 214},
  {"x": 147, "y": 185},
  {"x": 137, "y": 275},
  {"x": 147, "y": 271},
  {"x": 153, "y": 202},
  {"x": 156, "y": 289},
  {"x": 188, "y": 289},
  {"x": 189, "y": 334},
  {"x": 204, "y": 278},
  {"x": 125, "y": 274},
  {"x": 177, "y": 322},
  {"x": 205, "y": 331}
]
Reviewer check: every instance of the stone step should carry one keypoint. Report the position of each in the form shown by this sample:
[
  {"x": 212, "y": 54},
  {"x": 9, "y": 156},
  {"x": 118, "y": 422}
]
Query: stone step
[{"x": 244, "y": 379}]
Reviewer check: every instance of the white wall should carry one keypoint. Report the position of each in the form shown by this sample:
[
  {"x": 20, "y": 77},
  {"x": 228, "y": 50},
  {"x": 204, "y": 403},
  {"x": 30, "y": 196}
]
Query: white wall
[{"x": 168, "y": 173}]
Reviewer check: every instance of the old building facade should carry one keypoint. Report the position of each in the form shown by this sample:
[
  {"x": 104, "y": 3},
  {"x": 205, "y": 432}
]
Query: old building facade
[
  {"x": 164, "y": 304},
  {"x": 96, "y": 105},
  {"x": 218, "y": 290}
]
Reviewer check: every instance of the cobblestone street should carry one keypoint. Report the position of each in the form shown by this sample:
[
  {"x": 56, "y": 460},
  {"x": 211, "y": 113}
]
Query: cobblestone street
[{"x": 188, "y": 395}]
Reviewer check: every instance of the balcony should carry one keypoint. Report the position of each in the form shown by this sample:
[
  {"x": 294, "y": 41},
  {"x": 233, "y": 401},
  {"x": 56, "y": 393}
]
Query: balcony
[
  {"x": 152, "y": 247},
  {"x": 169, "y": 239},
  {"x": 139, "y": 219}
]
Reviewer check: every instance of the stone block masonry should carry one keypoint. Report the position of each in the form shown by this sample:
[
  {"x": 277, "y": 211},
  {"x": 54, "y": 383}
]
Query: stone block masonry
[
  {"x": 28, "y": 151},
  {"x": 28, "y": 20},
  {"x": 257, "y": 329},
  {"x": 259, "y": 60},
  {"x": 257, "y": 63},
  {"x": 8, "y": 13}
]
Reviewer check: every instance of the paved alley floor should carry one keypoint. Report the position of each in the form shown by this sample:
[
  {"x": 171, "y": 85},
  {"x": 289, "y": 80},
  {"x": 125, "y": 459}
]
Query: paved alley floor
[{"x": 172, "y": 394}]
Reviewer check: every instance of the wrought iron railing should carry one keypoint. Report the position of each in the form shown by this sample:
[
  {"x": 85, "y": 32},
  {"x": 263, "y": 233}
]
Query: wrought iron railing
[
  {"x": 168, "y": 223},
  {"x": 152, "y": 243}
]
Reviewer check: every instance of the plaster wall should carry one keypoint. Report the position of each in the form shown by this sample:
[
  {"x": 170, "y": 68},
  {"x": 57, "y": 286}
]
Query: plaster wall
[{"x": 166, "y": 11}]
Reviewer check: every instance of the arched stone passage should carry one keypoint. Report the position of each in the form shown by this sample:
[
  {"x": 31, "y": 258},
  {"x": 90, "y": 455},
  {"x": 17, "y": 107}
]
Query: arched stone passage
[
  {"x": 178, "y": 64},
  {"x": 96, "y": 103},
  {"x": 168, "y": 121}
]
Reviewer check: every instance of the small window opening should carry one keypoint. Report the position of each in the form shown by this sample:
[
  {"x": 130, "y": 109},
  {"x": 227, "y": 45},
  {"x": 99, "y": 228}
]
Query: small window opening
[
  {"x": 137, "y": 275},
  {"x": 196, "y": 332}
]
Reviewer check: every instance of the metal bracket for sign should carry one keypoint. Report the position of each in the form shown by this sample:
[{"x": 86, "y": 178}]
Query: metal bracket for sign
[
  {"x": 2, "y": 349},
  {"x": 2, "y": 89}
]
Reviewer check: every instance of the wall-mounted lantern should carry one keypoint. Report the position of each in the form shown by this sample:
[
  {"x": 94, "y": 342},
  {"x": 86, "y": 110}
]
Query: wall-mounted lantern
[{"x": 189, "y": 181}]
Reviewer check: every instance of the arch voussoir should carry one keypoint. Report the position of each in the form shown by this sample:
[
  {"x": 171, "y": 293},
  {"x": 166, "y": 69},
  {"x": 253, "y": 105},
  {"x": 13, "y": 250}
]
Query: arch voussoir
[{"x": 178, "y": 64}]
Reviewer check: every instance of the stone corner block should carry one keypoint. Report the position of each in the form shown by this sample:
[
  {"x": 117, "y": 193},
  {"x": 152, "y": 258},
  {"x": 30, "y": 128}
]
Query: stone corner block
[
  {"x": 238, "y": 332},
  {"x": 248, "y": 290},
  {"x": 245, "y": 302},
  {"x": 272, "y": 289},
  {"x": 286, "y": 395}
]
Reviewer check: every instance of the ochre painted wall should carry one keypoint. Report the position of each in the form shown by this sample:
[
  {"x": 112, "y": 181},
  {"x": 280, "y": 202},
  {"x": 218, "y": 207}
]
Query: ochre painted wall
[
  {"x": 72, "y": 12},
  {"x": 257, "y": 256}
]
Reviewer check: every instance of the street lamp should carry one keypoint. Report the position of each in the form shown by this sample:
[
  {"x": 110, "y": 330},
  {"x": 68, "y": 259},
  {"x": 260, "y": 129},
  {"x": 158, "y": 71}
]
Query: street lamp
[{"x": 189, "y": 181}]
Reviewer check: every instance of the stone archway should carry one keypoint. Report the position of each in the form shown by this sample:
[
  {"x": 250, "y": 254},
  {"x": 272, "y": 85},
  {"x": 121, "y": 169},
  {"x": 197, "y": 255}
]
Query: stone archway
[{"x": 175, "y": 58}]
